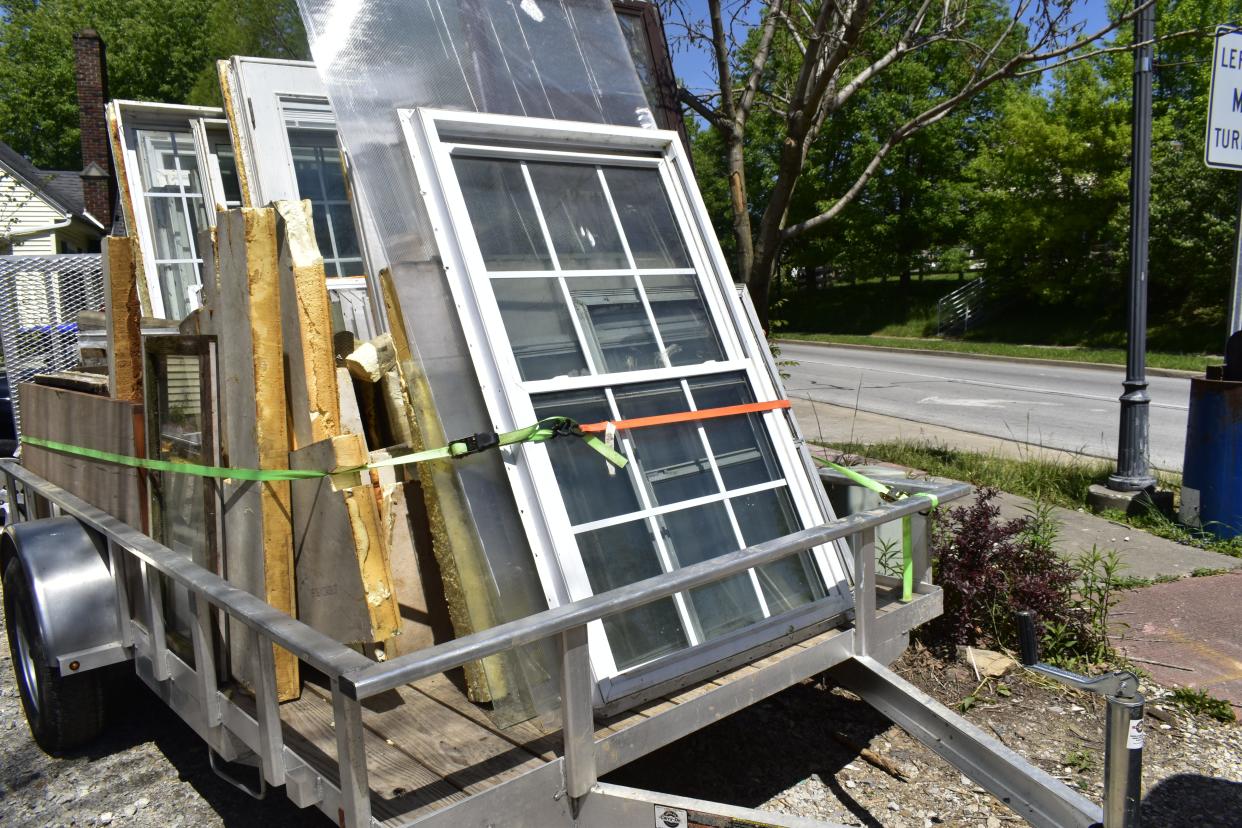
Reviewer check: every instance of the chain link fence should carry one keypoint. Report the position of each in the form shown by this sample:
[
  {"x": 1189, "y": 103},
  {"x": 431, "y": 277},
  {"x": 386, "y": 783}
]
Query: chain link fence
[{"x": 40, "y": 297}]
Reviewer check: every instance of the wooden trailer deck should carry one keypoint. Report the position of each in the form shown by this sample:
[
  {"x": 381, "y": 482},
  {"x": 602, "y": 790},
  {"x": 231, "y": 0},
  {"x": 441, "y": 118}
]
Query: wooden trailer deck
[{"x": 428, "y": 747}]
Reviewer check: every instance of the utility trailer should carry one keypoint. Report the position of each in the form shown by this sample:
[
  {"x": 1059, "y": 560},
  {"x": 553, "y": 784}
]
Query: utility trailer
[{"x": 396, "y": 743}]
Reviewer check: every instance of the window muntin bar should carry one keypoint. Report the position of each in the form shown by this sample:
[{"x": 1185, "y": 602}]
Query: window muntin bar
[{"x": 173, "y": 201}]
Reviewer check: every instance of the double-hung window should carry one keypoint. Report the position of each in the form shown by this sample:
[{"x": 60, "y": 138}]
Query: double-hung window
[{"x": 588, "y": 289}]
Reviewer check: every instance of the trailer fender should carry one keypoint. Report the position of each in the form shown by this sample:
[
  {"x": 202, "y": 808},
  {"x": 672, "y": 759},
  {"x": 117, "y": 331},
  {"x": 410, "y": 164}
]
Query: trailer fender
[{"x": 74, "y": 597}]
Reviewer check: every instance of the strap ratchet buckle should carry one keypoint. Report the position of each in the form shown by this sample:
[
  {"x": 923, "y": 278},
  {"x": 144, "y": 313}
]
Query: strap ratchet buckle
[{"x": 476, "y": 443}]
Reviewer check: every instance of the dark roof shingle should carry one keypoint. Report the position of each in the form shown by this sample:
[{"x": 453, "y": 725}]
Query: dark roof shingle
[{"x": 62, "y": 188}]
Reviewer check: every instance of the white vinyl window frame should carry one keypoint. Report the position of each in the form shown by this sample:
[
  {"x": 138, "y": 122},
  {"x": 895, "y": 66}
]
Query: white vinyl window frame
[
  {"x": 433, "y": 138},
  {"x": 270, "y": 97},
  {"x": 208, "y": 133},
  {"x": 130, "y": 118}
]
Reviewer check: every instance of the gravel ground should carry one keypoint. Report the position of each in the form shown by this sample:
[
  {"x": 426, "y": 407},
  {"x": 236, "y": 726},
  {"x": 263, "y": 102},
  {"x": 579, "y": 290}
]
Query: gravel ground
[{"x": 800, "y": 752}]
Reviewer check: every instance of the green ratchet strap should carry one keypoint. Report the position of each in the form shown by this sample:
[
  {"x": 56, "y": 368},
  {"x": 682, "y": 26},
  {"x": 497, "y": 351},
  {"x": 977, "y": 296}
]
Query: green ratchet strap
[
  {"x": 540, "y": 432},
  {"x": 907, "y": 534}
]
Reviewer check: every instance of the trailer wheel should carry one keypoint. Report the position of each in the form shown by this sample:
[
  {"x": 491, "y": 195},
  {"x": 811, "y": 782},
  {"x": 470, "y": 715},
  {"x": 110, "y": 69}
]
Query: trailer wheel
[{"x": 63, "y": 712}]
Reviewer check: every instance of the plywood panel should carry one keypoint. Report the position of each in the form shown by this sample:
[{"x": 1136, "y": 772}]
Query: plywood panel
[
  {"x": 306, "y": 327},
  {"x": 91, "y": 421},
  {"x": 123, "y": 317},
  {"x": 341, "y": 558},
  {"x": 258, "y": 528}
]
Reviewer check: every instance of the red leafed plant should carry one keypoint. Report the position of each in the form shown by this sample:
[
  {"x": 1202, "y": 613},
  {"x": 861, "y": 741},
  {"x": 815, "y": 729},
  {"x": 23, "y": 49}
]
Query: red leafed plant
[{"x": 989, "y": 569}]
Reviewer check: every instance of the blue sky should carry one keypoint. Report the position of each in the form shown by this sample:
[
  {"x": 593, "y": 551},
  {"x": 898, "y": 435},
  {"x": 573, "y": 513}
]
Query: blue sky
[{"x": 694, "y": 66}]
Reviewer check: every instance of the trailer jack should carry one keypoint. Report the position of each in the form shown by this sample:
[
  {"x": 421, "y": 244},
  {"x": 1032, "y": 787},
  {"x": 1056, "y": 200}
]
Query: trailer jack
[{"x": 1123, "y": 733}]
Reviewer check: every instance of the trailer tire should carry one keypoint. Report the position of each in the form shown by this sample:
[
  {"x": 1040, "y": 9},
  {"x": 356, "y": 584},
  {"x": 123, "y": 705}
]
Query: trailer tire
[{"x": 64, "y": 712}]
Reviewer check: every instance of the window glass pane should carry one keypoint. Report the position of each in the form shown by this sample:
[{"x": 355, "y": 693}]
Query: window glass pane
[
  {"x": 171, "y": 228},
  {"x": 740, "y": 443},
  {"x": 307, "y": 147},
  {"x": 617, "y": 556},
  {"x": 762, "y": 517},
  {"x": 582, "y": 228},
  {"x": 228, "y": 173},
  {"x": 343, "y": 231},
  {"x": 671, "y": 457},
  {"x": 685, "y": 326},
  {"x": 700, "y": 534},
  {"x": 502, "y": 214},
  {"x": 176, "y": 282},
  {"x": 166, "y": 161},
  {"x": 588, "y": 490},
  {"x": 540, "y": 330},
  {"x": 615, "y": 323},
  {"x": 646, "y": 217}
]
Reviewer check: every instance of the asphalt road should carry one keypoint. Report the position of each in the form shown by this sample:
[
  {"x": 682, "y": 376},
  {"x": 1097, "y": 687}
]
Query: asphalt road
[{"x": 1068, "y": 408}]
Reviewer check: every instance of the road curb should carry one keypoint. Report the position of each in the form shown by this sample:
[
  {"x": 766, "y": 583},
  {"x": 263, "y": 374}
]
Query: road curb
[{"x": 1070, "y": 363}]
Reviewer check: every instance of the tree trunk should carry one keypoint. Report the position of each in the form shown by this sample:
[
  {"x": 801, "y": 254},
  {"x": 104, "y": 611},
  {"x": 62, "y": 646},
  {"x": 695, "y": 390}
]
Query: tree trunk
[{"x": 741, "y": 214}]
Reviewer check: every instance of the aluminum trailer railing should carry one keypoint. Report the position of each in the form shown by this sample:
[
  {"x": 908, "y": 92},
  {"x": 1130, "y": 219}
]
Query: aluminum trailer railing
[{"x": 566, "y": 791}]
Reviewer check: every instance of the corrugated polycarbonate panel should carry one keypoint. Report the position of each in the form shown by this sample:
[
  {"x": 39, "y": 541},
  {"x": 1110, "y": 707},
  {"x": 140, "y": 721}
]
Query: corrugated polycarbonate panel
[{"x": 563, "y": 59}]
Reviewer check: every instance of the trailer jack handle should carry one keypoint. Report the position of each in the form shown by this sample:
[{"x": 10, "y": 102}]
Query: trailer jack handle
[{"x": 1123, "y": 733}]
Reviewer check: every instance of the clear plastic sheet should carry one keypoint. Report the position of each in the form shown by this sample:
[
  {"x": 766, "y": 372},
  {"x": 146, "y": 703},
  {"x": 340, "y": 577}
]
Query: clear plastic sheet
[{"x": 563, "y": 59}]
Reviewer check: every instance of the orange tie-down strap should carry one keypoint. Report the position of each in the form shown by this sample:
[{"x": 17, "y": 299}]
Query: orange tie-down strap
[{"x": 686, "y": 416}]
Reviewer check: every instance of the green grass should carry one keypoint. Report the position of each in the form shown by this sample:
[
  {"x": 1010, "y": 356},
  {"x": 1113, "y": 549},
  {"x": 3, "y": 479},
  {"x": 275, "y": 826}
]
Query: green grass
[
  {"x": 1049, "y": 481},
  {"x": 1198, "y": 701},
  {"x": 1107, "y": 356},
  {"x": 1059, "y": 482}
]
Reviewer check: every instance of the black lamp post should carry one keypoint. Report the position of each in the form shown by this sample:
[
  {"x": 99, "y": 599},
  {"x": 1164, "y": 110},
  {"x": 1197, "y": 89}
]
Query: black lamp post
[{"x": 1132, "y": 472}]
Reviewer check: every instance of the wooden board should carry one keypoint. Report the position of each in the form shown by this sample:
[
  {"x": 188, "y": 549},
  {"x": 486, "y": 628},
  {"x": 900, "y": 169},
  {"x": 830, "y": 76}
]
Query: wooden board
[
  {"x": 341, "y": 559},
  {"x": 467, "y": 755},
  {"x": 306, "y": 328},
  {"x": 127, "y": 204},
  {"x": 91, "y": 421},
  {"x": 258, "y": 531},
  {"x": 123, "y": 317},
  {"x": 399, "y": 783},
  {"x": 456, "y": 545},
  {"x": 415, "y": 571}
]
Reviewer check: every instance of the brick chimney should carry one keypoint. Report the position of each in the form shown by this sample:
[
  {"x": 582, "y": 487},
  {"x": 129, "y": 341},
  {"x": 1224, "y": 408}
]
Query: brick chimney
[{"x": 91, "y": 74}]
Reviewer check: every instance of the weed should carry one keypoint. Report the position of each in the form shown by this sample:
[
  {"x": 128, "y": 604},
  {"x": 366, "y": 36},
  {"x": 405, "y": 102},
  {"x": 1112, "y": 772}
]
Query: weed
[
  {"x": 1207, "y": 572},
  {"x": 1198, "y": 701},
  {"x": 888, "y": 557},
  {"x": 1079, "y": 760},
  {"x": 1097, "y": 595}
]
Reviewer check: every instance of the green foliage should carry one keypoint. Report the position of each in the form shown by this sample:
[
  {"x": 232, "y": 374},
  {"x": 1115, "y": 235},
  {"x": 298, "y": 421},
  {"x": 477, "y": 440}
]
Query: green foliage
[
  {"x": 1199, "y": 701},
  {"x": 157, "y": 50},
  {"x": 1047, "y": 481}
]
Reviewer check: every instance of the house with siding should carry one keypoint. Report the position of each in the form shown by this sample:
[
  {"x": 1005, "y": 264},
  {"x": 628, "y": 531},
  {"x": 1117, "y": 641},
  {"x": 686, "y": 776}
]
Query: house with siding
[
  {"x": 48, "y": 212},
  {"x": 42, "y": 212}
]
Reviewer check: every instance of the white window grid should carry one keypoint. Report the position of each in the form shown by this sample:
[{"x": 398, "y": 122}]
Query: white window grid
[
  {"x": 510, "y": 397},
  {"x": 181, "y": 144},
  {"x": 329, "y": 248}
]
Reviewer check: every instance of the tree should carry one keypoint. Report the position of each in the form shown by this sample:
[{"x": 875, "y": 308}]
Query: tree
[
  {"x": 158, "y": 50},
  {"x": 806, "y": 61}
]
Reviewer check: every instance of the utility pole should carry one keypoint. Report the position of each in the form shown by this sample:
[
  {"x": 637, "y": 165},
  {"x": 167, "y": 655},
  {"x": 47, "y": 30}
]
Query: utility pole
[{"x": 1132, "y": 446}]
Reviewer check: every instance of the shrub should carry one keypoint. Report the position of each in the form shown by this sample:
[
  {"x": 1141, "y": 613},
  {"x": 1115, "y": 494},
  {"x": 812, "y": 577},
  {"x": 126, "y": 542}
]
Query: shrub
[{"x": 989, "y": 569}]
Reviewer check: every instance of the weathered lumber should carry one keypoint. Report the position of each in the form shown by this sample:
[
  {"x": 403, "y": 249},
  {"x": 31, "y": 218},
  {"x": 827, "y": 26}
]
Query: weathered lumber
[
  {"x": 341, "y": 555},
  {"x": 351, "y": 414},
  {"x": 468, "y": 590},
  {"x": 370, "y": 360},
  {"x": 123, "y": 317},
  {"x": 306, "y": 327},
  {"x": 82, "y": 381},
  {"x": 258, "y": 532},
  {"x": 91, "y": 421}
]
